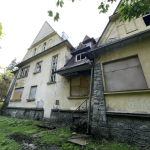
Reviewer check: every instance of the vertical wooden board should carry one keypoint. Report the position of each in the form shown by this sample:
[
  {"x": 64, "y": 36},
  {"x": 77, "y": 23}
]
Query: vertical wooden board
[
  {"x": 75, "y": 82},
  {"x": 75, "y": 90},
  {"x": 83, "y": 82},
  {"x": 84, "y": 91},
  {"x": 16, "y": 95}
]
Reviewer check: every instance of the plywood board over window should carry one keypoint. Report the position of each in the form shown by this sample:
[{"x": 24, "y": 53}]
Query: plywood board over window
[
  {"x": 79, "y": 86},
  {"x": 18, "y": 94},
  {"x": 124, "y": 75}
]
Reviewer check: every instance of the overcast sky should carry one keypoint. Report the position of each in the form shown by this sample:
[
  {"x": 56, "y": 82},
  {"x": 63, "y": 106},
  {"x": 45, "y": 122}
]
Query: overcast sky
[{"x": 22, "y": 20}]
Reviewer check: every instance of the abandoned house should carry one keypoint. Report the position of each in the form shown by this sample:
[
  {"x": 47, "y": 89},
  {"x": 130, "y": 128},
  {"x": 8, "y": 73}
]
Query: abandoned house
[{"x": 112, "y": 72}]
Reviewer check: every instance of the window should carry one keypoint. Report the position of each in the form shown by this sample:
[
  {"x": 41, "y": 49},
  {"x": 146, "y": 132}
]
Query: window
[
  {"x": 44, "y": 47},
  {"x": 24, "y": 72},
  {"x": 124, "y": 75},
  {"x": 88, "y": 44},
  {"x": 34, "y": 53},
  {"x": 80, "y": 57},
  {"x": 38, "y": 67},
  {"x": 18, "y": 94},
  {"x": 33, "y": 92},
  {"x": 54, "y": 67},
  {"x": 79, "y": 86},
  {"x": 146, "y": 18}
]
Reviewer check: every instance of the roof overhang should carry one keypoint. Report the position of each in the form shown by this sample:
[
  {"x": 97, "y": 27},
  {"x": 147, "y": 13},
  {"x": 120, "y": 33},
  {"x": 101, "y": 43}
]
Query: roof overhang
[
  {"x": 81, "y": 50},
  {"x": 93, "y": 53},
  {"x": 89, "y": 40},
  {"x": 74, "y": 70},
  {"x": 64, "y": 43}
]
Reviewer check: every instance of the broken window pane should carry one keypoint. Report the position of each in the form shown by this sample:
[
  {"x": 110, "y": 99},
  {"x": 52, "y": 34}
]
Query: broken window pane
[
  {"x": 54, "y": 67},
  {"x": 34, "y": 53},
  {"x": 33, "y": 92},
  {"x": 38, "y": 66},
  {"x": 82, "y": 56},
  {"x": 44, "y": 47},
  {"x": 24, "y": 72}
]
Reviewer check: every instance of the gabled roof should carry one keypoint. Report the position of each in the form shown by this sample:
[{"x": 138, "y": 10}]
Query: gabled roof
[
  {"x": 86, "y": 38},
  {"x": 45, "y": 31}
]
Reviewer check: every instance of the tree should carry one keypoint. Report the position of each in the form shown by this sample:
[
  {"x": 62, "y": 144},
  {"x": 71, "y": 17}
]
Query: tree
[
  {"x": 1, "y": 32},
  {"x": 127, "y": 10},
  {"x": 12, "y": 65}
]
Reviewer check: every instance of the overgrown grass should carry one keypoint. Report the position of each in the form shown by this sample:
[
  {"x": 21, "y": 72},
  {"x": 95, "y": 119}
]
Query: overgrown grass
[
  {"x": 21, "y": 128},
  {"x": 9, "y": 126},
  {"x": 1, "y": 103}
]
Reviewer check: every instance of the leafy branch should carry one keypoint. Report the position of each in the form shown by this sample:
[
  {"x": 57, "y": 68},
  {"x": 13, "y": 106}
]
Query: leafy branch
[{"x": 127, "y": 10}]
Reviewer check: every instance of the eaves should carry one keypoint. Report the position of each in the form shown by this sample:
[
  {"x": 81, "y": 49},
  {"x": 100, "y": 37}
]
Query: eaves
[
  {"x": 64, "y": 43},
  {"x": 91, "y": 54}
]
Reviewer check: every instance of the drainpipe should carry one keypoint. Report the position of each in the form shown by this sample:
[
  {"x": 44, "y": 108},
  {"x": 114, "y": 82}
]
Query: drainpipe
[{"x": 90, "y": 96}]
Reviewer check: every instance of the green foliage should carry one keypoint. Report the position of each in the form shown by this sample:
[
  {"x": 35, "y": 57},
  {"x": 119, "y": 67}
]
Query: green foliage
[
  {"x": 129, "y": 10},
  {"x": 5, "y": 80},
  {"x": 126, "y": 9},
  {"x": 1, "y": 31},
  {"x": 9, "y": 126}
]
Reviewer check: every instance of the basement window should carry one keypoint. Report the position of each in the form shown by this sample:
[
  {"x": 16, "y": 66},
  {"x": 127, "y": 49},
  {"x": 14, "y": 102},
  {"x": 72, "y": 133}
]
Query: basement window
[
  {"x": 33, "y": 92},
  {"x": 18, "y": 94},
  {"x": 38, "y": 67},
  {"x": 24, "y": 72},
  {"x": 54, "y": 67},
  {"x": 146, "y": 18},
  {"x": 80, "y": 57}
]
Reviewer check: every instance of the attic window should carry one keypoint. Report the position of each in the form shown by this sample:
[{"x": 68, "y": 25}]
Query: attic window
[
  {"x": 44, "y": 46},
  {"x": 146, "y": 18},
  {"x": 34, "y": 53},
  {"x": 88, "y": 44},
  {"x": 80, "y": 57}
]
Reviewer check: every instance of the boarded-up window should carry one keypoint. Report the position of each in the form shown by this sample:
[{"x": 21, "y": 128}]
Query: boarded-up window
[
  {"x": 18, "y": 94},
  {"x": 33, "y": 92},
  {"x": 124, "y": 75},
  {"x": 79, "y": 87}
]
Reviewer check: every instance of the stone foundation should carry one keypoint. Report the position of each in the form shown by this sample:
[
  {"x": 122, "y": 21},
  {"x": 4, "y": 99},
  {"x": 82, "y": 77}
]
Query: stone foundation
[{"x": 25, "y": 113}]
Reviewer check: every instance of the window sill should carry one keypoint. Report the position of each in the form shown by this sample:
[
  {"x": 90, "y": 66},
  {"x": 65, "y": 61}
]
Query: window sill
[
  {"x": 30, "y": 100},
  {"x": 123, "y": 92},
  {"x": 78, "y": 97},
  {"x": 15, "y": 100},
  {"x": 22, "y": 77},
  {"x": 36, "y": 72},
  {"x": 51, "y": 82}
]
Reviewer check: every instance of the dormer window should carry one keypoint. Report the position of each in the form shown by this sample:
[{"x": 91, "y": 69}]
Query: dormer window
[
  {"x": 88, "y": 44},
  {"x": 44, "y": 47},
  {"x": 80, "y": 57},
  {"x": 34, "y": 53}
]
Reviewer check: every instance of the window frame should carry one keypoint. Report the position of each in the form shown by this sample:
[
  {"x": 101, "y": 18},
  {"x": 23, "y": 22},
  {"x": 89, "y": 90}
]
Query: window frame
[
  {"x": 36, "y": 67},
  {"x": 89, "y": 43},
  {"x": 80, "y": 57},
  {"x": 14, "y": 93},
  {"x": 52, "y": 68},
  {"x": 148, "y": 14},
  {"x": 21, "y": 71},
  {"x": 30, "y": 92}
]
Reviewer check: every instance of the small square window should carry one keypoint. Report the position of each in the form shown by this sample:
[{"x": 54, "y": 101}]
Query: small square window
[
  {"x": 38, "y": 67},
  {"x": 80, "y": 57},
  {"x": 33, "y": 92}
]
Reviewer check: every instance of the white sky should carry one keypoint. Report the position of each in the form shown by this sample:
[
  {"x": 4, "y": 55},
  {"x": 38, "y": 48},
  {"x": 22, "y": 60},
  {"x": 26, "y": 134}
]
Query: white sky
[{"x": 22, "y": 20}]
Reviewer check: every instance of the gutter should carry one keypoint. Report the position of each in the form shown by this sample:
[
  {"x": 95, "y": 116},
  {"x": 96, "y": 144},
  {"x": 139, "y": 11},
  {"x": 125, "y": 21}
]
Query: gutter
[{"x": 118, "y": 41}]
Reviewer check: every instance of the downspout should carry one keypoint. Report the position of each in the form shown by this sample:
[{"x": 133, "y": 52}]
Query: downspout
[{"x": 90, "y": 96}]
